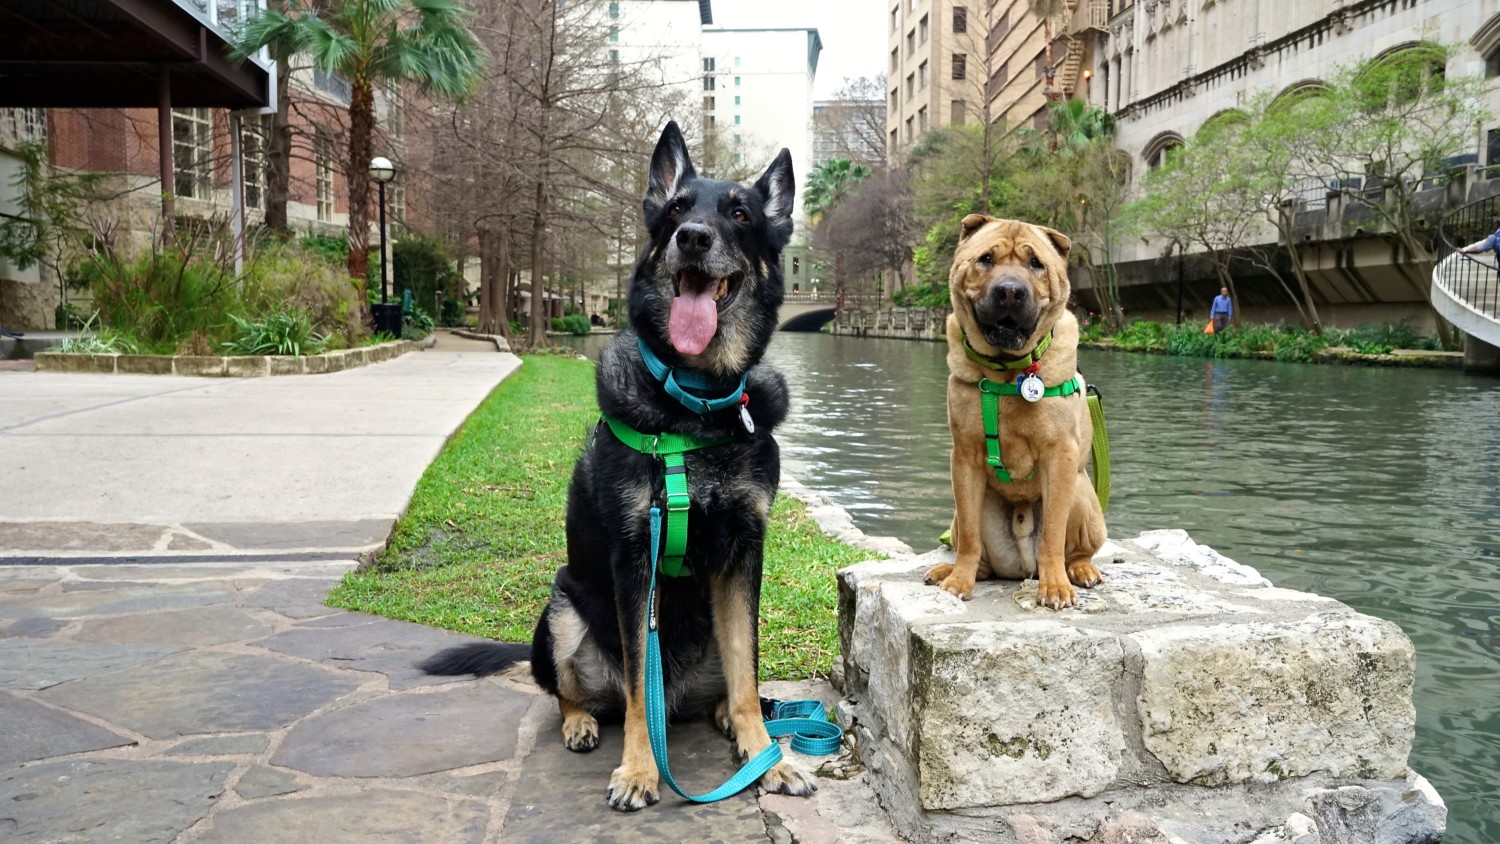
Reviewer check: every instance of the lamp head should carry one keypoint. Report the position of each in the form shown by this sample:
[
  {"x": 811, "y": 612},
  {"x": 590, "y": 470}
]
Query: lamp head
[{"x": 381, "y": 169}]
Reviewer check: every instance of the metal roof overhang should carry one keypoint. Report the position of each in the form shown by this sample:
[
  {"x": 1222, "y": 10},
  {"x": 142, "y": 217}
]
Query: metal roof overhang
[{"x": 111, "y": 54}]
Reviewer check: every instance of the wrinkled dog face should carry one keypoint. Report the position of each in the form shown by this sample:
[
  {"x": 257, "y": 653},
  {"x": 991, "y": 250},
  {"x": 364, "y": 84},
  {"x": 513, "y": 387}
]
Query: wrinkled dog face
[
  {"x": 1009, "y": 279},
  {"x": 710, "y": 284}
]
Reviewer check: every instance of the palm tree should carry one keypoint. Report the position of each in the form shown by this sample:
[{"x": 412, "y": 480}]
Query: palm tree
[
  {"x": 372, "y": 43},
  {"x": 827, "y": 185}
]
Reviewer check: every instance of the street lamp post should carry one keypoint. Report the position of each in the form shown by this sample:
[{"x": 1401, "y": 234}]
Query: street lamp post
[{"x": 387, "y": 317}]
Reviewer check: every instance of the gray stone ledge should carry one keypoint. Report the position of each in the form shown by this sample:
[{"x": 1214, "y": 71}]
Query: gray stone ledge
[{"x": 230, "y": 366}]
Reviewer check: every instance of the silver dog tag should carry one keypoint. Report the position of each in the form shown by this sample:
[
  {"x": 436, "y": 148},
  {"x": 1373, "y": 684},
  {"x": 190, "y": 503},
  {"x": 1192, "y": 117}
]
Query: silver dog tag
[
  {"x": 1031, "y": 387},
  {"x": 746, "y": 420}
]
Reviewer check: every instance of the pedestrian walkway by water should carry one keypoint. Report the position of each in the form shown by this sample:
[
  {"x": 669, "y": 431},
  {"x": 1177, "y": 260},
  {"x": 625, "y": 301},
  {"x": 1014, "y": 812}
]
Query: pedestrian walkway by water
[{"x": 170, "y": 673}]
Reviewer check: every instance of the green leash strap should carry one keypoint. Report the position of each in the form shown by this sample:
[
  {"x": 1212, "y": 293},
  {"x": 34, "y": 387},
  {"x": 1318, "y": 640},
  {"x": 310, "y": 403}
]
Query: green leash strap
[
  {"x": 1017, "y": 363},
  {"x": 670, "y": 448},
  {"x": 1100, "y": 449}
]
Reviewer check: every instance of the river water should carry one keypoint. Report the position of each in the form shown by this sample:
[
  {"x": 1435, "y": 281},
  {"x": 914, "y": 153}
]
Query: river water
[{"x": 1377, "y": 487}]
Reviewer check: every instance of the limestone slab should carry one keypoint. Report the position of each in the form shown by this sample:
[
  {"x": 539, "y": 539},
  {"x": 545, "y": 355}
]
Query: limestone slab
[
  {"x": 262, "y": 781},
  {"x": 39, "y": 664},
  {"x": 80, "y": 600},
  {"x": 547, "y": 806},
  {"x": 245, "y": 744},
  {"x": 205, "y": 692},
  {"x": 139, "y": 801},
  {"x": 293, "y": 597},
  {"x": 377, "y": 814},
  {"x": 17, "y": 537},
  {"x": 370, "y": 643},
  {"x": 322, "y": 533},
  {"x": 1014, "y": 713},
  {"x": 417, "y": 734},
  {"x": 1259, "y": 702},
  {"x": 32, "y": 731},
  {"x": 193, "y": 628}
]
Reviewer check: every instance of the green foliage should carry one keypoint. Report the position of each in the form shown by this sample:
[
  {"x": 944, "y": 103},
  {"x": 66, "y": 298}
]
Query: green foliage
[
  {"x": 828, "y": 184},
  {"x": 50, "y": 209},
  {"x": 575, "y": 324},
  {"x": 418, "y": 324},
  {"x": 423, "y": 266},
  {"x": 94, "y": 339},
  {"x": 1250, "y": 340},
  {"x": 286, "y": 276},
  {"x": 922, "y": 296},
  {"x": 161, "y": 297},
  {"x": 484, "y": 533},
  {"x": 287, "y": 333},
  {"x": 517, "y": 328},
  {"x": 334, "y": 250},
  {"x": 451, "y": 313}
]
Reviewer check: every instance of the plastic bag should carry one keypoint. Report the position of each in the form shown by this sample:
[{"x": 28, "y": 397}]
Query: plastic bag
[{"x": 1209, "y": 329}]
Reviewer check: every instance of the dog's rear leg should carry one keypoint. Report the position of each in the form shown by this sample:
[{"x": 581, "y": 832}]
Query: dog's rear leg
[
  {"x": 736, "y": 608},
  {"x": 580, "y": 730}
]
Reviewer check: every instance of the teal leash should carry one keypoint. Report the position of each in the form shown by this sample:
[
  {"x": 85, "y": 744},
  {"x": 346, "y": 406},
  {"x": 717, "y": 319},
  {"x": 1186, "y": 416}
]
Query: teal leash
[{"x": 803, "y": 720}]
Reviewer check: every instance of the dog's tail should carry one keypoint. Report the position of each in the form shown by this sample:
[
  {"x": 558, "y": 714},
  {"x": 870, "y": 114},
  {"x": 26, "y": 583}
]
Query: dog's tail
[{"x": 478, "y": 658}]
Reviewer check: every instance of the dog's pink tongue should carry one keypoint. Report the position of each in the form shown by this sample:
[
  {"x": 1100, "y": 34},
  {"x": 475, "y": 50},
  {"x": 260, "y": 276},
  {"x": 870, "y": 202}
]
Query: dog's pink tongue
[{"x": 694, "y": 318}]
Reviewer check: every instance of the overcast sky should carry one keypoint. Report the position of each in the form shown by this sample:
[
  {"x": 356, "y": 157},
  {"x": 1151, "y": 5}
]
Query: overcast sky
[{"x": 853, "y": 32}]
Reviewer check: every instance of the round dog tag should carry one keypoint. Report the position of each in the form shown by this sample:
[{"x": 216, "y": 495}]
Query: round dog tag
[
  {"x": 1030, "y": 387},
  {"x": 746, "y": 420}
]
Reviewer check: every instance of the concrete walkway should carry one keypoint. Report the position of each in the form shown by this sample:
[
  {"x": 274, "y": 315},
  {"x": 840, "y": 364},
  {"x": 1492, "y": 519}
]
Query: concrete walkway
[{"x": 169, "y": 672}]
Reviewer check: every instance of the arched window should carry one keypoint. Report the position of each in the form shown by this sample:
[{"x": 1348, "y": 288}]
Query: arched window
[{"x": 1159, "y": 148}]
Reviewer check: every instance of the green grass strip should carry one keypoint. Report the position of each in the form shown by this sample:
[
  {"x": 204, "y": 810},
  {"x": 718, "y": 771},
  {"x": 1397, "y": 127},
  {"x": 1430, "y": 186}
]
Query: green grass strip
[{"x": 479, "y": 544}]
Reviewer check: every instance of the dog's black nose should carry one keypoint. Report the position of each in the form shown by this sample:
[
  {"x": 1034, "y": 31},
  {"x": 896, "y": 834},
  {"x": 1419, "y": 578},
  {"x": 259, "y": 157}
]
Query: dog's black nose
[
  {"x": 694, "y": 239},
  {"x": 1008, "y": 294}
]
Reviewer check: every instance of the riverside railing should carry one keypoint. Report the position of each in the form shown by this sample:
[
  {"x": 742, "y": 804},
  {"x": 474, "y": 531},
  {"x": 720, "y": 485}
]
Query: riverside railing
[{"x": 1471, "y": 279}]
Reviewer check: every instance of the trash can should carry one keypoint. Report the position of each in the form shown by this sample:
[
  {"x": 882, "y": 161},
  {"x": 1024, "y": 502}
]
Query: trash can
[{"x": 387, "y": 318}]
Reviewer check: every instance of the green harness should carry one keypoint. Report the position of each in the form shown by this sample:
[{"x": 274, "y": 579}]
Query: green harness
[
  {"x": 989, "y": 402},
  {"x": 671, "y": 448}
]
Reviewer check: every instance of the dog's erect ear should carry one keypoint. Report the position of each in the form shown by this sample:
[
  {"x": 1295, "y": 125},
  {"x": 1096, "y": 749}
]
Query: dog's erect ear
[
  {"x": 670, "y": 167},
  {"x": 971, "y": 224},
  {"x": 1058, "y": 239},
  {"x": 778, "y": 187}
]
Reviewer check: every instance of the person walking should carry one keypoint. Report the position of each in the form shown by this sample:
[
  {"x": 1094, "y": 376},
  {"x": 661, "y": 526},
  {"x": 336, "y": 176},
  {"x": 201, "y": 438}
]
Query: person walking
[
  {"x": 1489, "y": 244},
  {"x": 1222, "y": 311}
]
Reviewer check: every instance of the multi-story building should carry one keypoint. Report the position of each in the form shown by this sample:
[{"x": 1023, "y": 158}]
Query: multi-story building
[
  {"x": 1027, "y": 71},
  {"x": 935, "y": 72},
  {"x": 852, "y": 129},
  {"x": 758, "y": 93}
]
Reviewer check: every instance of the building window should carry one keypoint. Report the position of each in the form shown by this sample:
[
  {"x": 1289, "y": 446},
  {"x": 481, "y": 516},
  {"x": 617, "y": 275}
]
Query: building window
[
  {"x": 708, "y": 83},
  {"x": 736, "y": 120},
  {"x": 895, "y": 100},
  {"x": 960, "y": 66},
  {"x": 323, "y": 163},
  {"x": 614, "y": 10},
  {"x": 736, "y": 61},
  {"x": 708, "y": 65},
  {"x": 911, "y": 86},
  {"x": 614, "y": 35},
  {"x": 895, "y": 60},
  {"x": 736, "y": 99},
  {"x": 708, "y": 103},
  {"x": 910, "y": 129},
  {"x": 960, "y": 19},
  {"x": 958, "y": 112},
  {"x": 922, "y": 119},
  {"x": 396, "y": 203},
  {"x": 895, "y": 141},
  {"x": 893, "y": 18},
  {"x": 922, "y": 76},
  {"x": 736, "y": 82},
  {"x": 22, "y": 125},
  {"x": 1492, "y": 154},
  {"x": 614, "y": 56},
  {"x": 736, "y": 140},
  {"x": 922, "y": 28},
  {"x": 395, "y": 112},
  {"x": 192, "y": 152},
  {"x": 911, "y": 43},
  {"x": 254, "y": 134}
]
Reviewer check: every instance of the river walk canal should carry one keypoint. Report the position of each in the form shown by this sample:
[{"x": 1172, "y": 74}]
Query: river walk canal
[{"x": 1378, "y": 487}]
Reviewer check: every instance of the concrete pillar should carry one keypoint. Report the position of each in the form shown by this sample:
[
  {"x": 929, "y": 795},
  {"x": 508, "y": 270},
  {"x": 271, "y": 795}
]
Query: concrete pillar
[
  {"x": 1480, "y": 356},
  {"x": 164, "y": 155}
]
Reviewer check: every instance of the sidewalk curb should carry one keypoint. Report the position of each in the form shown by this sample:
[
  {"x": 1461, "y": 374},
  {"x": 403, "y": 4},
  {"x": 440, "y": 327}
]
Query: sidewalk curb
[{"x": 229, "y": 366}]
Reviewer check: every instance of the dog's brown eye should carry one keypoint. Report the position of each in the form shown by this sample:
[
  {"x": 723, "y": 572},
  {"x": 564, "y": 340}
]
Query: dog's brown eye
[
  {"x": 740, "y": 216},
  {"x": 1036, "y": 263},
  {"x": 674, "y": 209}
]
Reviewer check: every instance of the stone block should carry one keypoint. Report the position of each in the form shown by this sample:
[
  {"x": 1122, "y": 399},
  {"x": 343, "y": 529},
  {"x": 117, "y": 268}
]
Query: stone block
[
  {"x": 247, "y": 366},
  {"x": 288, "y": 364},
  {"x": 211, "y": 366},
  {"x": 144, "y": 364},
  {"x": 1260, "y": 702},
  {"x": 65, "y": 362},
  {"x": 1184, "y": 687}
]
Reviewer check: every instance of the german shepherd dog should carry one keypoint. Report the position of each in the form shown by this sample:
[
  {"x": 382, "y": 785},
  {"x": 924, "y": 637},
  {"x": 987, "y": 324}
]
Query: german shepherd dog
[{"x": 703, "y": 299}]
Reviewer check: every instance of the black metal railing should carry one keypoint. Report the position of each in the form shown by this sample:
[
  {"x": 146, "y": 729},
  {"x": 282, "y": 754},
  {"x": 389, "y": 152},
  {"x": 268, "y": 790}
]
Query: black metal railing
[{"x": 1470, "y": 278}]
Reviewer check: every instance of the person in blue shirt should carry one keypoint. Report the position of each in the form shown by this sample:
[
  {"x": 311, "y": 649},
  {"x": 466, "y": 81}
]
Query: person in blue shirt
[
  {"x": 1221, "y": 311},
  {"x": 1489, "y": 244}
]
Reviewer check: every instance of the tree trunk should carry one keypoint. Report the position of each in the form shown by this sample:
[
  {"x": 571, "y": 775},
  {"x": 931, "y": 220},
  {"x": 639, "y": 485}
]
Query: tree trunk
[
  {"x": 500, "y": 284},
  {"x": 361, "y": 132},
  {"x": 536, "y": 338},
  {"x": 279, "y": 153},
  {"x": 486, "y": 288}
]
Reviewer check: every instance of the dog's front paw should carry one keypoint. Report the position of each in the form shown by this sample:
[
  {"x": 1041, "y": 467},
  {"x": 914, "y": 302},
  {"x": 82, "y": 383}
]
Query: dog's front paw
[
  {"x": 1084, "y": 573},
  {"x": 632, "y": 790},
  {"x": 955, "y": 584},
  {"x": 938, "y": 573},
  {"x": 1056, "y": 595},
  {"x": 787, "y": 778},
  {"x": 580, "y": 733}
]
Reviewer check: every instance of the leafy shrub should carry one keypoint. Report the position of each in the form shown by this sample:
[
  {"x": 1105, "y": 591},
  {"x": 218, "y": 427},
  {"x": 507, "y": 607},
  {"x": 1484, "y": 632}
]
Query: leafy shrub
[
  {"x": 418, "y": 324},
  {"x": 922, "y": 296},
  {"x": 575, "y": 324},
  {"x": 161, "y": 296},
  {"x": 102, "y": 341},
  {"x": 423, "y": 266},
  {"x": 451, "y": 313},
  {"x": 286, "y": 333},
  {"x": 333, "y": 250},
  {"x": 283, "y": 277},
  {"x": 517, "y": 328}
]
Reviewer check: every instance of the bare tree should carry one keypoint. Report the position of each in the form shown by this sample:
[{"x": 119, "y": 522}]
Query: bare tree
[{"x": 853, "y": 125}]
